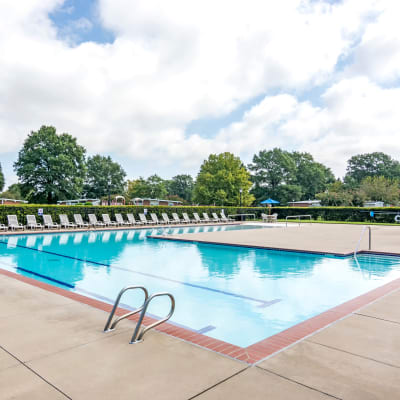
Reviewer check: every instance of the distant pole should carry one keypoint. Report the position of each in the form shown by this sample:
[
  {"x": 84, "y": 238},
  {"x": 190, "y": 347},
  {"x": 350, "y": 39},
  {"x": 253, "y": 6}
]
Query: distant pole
[
  {"x": 108, "y": 192},
  {"x": 240, "y": 191}
]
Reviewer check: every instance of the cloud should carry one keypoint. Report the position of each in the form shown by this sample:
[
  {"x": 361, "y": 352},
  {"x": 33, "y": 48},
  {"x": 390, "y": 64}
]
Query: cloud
[{"x": 174, "y": 62}]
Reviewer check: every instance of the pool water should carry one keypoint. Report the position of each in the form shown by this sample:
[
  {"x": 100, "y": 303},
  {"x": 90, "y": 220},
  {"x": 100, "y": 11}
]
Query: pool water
[{"x": 235, "y": 294}]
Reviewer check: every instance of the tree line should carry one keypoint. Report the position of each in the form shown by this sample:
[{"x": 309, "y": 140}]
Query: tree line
[{"x": 52, "y": 167}]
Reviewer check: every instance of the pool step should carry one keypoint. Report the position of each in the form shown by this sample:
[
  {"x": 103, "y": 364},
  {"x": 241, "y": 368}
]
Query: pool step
[{"x": 138, "y": 334}]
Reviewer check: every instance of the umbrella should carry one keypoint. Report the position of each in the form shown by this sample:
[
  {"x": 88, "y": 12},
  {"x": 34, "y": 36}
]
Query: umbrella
[{"x": 270, "y": 201}]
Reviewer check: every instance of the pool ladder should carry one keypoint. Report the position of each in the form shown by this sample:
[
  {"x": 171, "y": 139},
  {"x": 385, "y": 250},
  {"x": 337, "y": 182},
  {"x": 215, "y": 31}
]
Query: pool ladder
[{"x": 138, "y": 334}]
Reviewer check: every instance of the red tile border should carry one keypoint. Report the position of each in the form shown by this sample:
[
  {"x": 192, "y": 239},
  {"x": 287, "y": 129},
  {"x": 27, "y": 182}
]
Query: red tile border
[{"x": 250, "y": 354}]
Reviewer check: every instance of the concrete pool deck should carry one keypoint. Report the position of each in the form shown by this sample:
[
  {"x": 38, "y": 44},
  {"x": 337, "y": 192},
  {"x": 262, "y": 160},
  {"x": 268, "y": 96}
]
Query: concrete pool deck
[
  {"x": 52, "y": 347},
  {"x": 338, "y": 239}
]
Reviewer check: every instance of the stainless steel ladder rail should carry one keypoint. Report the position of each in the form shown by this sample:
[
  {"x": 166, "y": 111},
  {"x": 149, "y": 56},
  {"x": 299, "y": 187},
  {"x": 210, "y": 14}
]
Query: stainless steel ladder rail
[
  {"x": 138, "y": 334},
  {"x": 107, "y": 327},
  {"x": 361, "y": 236},
  {"x": 299, "y": 218}
]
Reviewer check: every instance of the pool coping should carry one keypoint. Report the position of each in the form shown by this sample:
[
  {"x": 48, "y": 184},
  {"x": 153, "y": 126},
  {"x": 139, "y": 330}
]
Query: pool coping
[{"x": 250, "y": 354}]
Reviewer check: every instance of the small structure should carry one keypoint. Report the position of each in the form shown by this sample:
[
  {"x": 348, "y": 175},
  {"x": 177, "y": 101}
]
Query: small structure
[
  {"x": 305, "y": 203},
  {"x": 115, "y": 201},
  {"x": 155, "y": 202},
  {"x": 95, "y": 202},
  {"x": 372, "y": 203},
  {"x": 12, "y": 201}
]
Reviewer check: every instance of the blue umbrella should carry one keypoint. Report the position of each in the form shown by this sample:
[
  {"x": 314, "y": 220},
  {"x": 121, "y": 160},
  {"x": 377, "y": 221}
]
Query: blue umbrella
[{"x": 270, "y": 201}]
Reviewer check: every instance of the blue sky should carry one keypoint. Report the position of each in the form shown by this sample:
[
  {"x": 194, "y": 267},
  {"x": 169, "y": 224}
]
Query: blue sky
[{"x": 161, "y": 85}]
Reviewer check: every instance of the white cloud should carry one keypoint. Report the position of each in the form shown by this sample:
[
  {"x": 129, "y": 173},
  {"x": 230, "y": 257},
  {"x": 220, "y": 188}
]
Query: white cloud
[{"x": 174, "y": 62}]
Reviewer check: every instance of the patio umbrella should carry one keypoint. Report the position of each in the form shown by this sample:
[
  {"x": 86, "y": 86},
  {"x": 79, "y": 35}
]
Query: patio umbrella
[{"x": 270, "y": 201}]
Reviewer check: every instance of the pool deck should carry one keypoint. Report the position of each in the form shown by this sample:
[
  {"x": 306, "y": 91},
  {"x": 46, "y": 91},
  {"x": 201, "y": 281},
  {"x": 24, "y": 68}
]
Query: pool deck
[
  {"x": 339, "y": 239},
  {"x": 52, "y": 345}
]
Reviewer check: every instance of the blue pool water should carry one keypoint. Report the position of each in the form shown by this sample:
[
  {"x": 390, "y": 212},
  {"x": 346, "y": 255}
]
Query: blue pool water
[{"x": 239, "y": 295}]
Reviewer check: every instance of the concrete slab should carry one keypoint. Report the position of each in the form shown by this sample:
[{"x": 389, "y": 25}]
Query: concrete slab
[
  {"x": 45, "y": 331},
  {"x": 386, "y": 308},
  {"x": 19, "y": 383},
  {"x": 258, "y": 384},
  {"x": 161, "y": 367},
  {"x": 364, "y": 336},
  {"x": 324, "y": 238},
  {"x": 335, "y": 372},
  {"x": 6, "y": 361}
]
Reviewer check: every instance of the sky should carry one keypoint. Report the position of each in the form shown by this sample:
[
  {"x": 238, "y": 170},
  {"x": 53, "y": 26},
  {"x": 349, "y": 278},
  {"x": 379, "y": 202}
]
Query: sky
[{"x": 160, "y": 85}]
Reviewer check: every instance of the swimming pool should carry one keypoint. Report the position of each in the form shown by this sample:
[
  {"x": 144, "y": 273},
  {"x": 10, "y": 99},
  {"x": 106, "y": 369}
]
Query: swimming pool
[{"x": 234, "y": 294}]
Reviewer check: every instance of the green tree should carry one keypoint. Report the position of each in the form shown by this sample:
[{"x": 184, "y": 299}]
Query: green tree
[
  {"x": 311, "y": 176},
  {"x": 379, "y": 188},
  {"x": 50, "y": 167},
  {"x": 2, "y": 181},
  {"x": 220, "y": 180},
  {"x": 339, "y": 194},
  {"x": 13, "y": 192},
  {"x": 103, "y": 177},
  {"x": 371, "y": 164},
  {"x": 153, "y": 187},
  {"x": 182, "y": 186}
]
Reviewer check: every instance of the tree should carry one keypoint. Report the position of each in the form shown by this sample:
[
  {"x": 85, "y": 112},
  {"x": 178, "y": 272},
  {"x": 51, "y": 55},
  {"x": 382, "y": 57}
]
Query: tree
[
  {"x": 220, "y": 180},
  {"x": 311, "y": 176},
  {"x": 50, "y": 167},
  {"x": 104, "y": 177},
  {"x": 371, "y": 164},
  {"x": 153, "y": 187},
  {"x": 379, "y": 188},
  {"x": 1, "y": 179},
  {"x": 13, "y": 192},
  {"x": 338, "y": 194},
  {"x": 182, "y": 186}
]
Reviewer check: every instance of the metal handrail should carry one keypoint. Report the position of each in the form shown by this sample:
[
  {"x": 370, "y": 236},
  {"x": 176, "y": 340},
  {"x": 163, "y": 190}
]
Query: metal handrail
[
  {"x": 299, "y": 217},
  {"x": 361, "y": 236},
  {"x": 138, "y": 337},
  {"x": 108, "y": 323}
]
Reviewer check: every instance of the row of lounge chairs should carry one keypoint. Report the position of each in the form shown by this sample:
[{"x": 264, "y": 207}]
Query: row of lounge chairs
[{"x": 31, "y": 222}]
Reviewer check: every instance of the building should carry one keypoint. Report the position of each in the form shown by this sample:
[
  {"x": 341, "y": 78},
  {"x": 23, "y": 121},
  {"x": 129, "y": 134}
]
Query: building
[
  {"x": 305, "y": 203},
  {"x": 12, "y": 201},
  {"x": 95, "y": 202},
  {"x": 155, "y": 202}
]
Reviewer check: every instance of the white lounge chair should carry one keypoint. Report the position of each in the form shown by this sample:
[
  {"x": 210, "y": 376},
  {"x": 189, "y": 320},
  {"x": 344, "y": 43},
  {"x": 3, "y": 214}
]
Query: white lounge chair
[
  {"x": 107, "y": 221},
  {"x": 187, "y": 219},
  {"x": 207, "y": 218},
  {"x": 178, "y": 220},
  {"x": 120, "y": 220},
  {"x": 32, "y": 223},
  {"x": 2, "y": 226},
  {"x": 132, "y": 220},
  {"x": 48, "y": 222},
  {"x": 93, "y": 221},
  {"x": 166, "y": 219},
  {"x": 197, "y": 218},
  {"x": 64, "y": 221},
  {"x": 155, "y": 219},
  {"x": 13, "y": 222},
  {"x": 79, "y": 221},
  {"x": 215, "y": 217},
  {"x": 144, "y": 220},
  {"x": 225, "y": 219}
]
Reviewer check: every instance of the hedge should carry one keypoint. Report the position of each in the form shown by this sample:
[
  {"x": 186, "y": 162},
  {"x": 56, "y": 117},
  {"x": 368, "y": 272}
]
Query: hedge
[{"x": 349, "y": 214}]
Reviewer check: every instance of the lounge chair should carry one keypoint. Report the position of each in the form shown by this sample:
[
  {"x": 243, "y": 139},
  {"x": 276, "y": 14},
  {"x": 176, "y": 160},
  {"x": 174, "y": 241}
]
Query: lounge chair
[
  {"x": 107, "y": 221},
  {"x": 132, "y": 220},
  {"x": 79, "y": 221},
  {"x": 197, "y": 218},
  {"x": 32, "y": 223},
  {"x": 13, "y": 222},
  {"x": 166, "y": 219},
  {"x": 207, "y": 218},
  {"x": 93, "y": 221},
  {"x": 187, "y": 219},
  {"x": 48, "y": 222},
  {"x": 2, "y": 226},
  {"x": 178, "y": 220},
  {"x": 226, "y": 219},
  {"x": 120, "y": 220},
  {"x": 155, "y": 219},
  {"x": 215, "y": 217},
  {"x": 64, "y": 221},
  {"x": 144, "y": 220}
]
